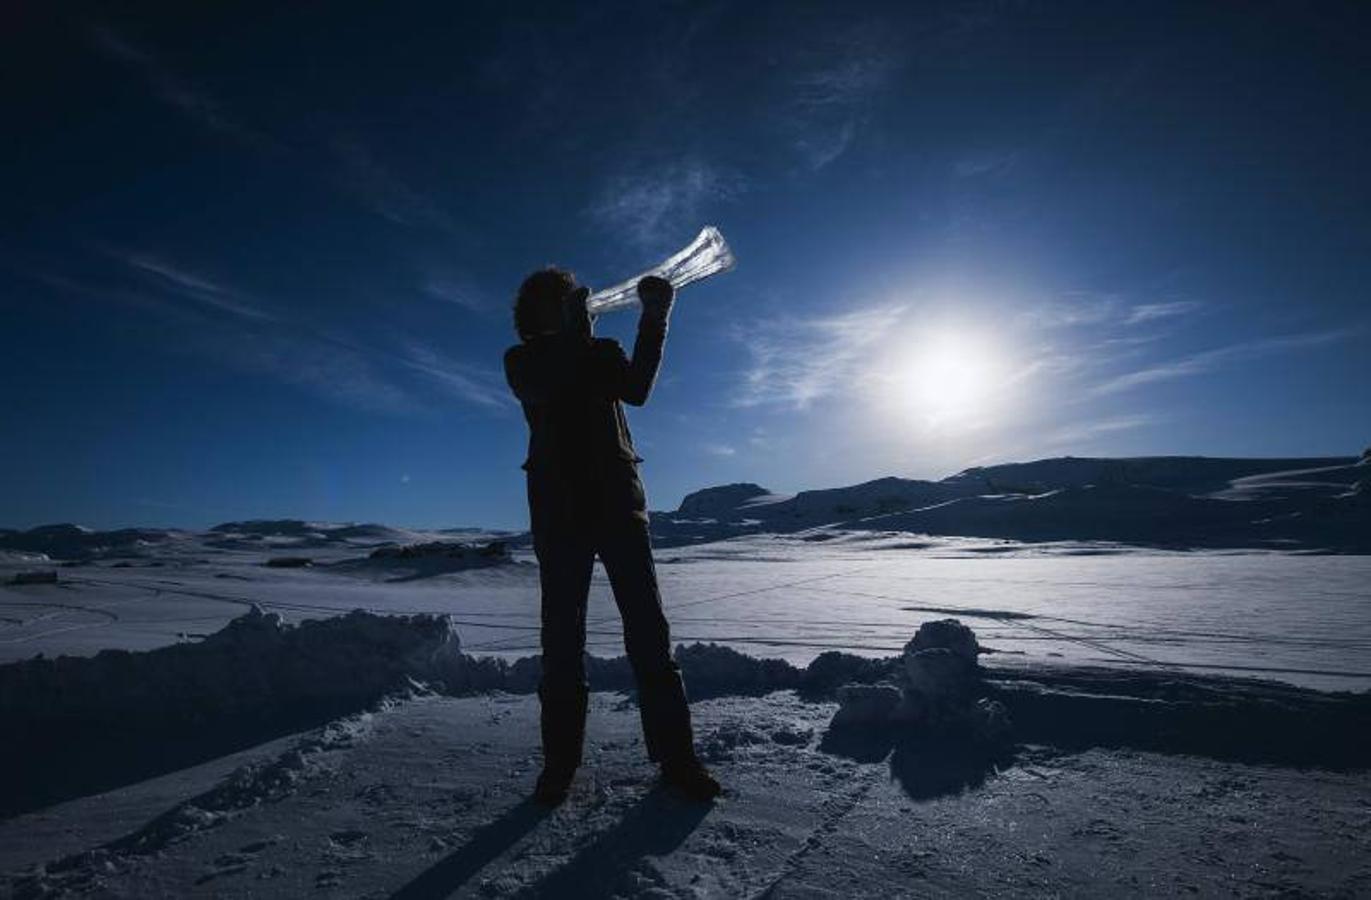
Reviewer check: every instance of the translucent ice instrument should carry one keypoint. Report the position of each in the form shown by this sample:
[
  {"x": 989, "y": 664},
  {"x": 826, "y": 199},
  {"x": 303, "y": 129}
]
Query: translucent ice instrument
[{"x": 706, "y": 255}]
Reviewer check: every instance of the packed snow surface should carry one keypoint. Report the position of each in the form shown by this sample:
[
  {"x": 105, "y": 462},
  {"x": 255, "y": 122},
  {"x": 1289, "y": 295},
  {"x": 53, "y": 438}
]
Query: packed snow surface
[{"x": 428, "y": 798}]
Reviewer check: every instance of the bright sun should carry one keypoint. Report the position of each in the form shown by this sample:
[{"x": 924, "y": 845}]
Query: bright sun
[{"x": 952, "y": 378}]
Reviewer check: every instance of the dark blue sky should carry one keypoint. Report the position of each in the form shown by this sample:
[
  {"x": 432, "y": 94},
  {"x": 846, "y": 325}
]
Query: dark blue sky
[{"x": 258, "y": 261}]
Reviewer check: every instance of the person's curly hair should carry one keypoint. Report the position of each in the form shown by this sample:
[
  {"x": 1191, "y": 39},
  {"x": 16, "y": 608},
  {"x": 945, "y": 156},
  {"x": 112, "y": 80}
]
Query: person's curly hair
[{"x": 539, "y": 300}]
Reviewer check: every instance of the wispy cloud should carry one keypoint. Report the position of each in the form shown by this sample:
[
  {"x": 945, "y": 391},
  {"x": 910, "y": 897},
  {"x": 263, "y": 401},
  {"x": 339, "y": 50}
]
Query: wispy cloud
[
  {"x": 327, "y": 369},
  {"x": 795, "y": 362},
  {"x": 723, "y": 450},
  {"x": 1072, "y": 310},
  {"x": 985, "y": 164},
  {"x": 180, "y": 94},
  {"x": 1077, "y": 433},
  {"x": 1150, "y": 312},
  {"x": 65, "y": 285},
  {"x": 385, "y": 193},
  {"x": 194, "y": 286},
  {"x": 831, "y": 101},
  {"x": 1077, "y": 309},
  {"x": 457, "y": 291},
  {"x": 362, "y": 377},
  {"x": 649, "y": 207},
  {"x": 318, "y": 360},
  {"x": 473, "y": 384},
  {"x": 1209, "y": 360}
]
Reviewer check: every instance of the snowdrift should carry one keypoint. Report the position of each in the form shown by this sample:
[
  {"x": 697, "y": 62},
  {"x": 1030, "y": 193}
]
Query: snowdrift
[{"x": 75, "y": 726}]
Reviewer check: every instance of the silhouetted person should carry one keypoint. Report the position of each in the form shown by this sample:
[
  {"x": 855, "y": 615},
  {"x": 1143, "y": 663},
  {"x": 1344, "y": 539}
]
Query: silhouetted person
[{"x": 585, "y": 499}]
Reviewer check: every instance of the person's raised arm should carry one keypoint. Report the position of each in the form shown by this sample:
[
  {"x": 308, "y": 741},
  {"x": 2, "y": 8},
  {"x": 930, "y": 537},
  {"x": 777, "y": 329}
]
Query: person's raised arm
[{"x": 635, "y": 377}]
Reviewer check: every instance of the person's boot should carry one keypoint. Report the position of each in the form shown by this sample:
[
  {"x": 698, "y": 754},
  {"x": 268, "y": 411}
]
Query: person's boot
[
  {"x": 563, "y": 723},
  {"x": 554, "y": 782},
  {"x": 690, "y": 778}
]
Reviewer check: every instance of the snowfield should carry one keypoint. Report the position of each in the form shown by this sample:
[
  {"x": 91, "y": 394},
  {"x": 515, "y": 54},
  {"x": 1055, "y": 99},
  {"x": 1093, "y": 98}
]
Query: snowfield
[
  {"x": 204, "y": 714},
  {"x": 1302, "y": 619}
]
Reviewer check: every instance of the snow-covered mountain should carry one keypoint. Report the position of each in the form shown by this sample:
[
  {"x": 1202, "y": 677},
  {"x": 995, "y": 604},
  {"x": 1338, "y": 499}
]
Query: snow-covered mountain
[{"x": 1311, "y": 504}]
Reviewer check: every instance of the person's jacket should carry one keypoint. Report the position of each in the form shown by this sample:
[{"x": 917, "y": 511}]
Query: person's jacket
[{"x": 581, "y": 461}]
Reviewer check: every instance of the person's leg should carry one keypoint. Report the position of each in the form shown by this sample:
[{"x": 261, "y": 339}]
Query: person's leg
[
  {"x": 627, "y": 554},
  {"x": 626, "y": 551},
  {"x": 565, "y": 563}
]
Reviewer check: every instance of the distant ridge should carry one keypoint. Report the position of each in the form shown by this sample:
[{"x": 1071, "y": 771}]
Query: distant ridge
[
  {"x": 1318, "y": 504},
  {"x": 1306, "y": 504}
]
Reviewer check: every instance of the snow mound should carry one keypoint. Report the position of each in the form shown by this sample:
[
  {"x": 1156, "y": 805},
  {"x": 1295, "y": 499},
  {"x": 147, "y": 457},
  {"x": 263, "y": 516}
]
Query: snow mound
[
  {"x": 940, "y": 706},
  {"x": 92, "y": 722},
  {"x": 712, "y": 670},
  {"x": 254, "y": 663},
  {"x": 941, "y": 692},
  {"x": 946, "y": 634},
  {"x": 866, "y": 706}
]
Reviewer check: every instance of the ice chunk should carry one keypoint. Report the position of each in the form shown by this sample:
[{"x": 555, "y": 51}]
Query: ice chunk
[{"x": 707, "y": 255}]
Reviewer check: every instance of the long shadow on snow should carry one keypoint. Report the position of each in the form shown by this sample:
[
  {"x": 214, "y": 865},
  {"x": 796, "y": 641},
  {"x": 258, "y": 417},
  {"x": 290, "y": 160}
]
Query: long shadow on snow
[
  {"x": 481, "y": 849},
  {"x": 41, "y": 769},
  {"x": 1232, "y": 719},
  {"x": 656, "y": 826}
]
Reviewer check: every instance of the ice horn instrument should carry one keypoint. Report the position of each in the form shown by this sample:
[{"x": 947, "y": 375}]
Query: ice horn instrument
[{"x": 706, "y": 255}]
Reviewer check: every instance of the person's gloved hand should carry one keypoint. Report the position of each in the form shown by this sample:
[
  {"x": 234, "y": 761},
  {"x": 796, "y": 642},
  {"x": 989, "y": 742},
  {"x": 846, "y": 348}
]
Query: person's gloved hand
[
  {"x": 575, "y": 318},
  {"x": 657, "y": 295}
]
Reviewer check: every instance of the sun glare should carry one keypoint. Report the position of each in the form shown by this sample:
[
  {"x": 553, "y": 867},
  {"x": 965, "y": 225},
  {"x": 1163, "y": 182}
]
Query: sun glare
[{"x": 952, "y": 378}]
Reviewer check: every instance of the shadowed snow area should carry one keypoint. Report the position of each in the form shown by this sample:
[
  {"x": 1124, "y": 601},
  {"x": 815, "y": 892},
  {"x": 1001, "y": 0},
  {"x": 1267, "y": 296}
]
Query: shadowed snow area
[{"x": 428, "y": 797}]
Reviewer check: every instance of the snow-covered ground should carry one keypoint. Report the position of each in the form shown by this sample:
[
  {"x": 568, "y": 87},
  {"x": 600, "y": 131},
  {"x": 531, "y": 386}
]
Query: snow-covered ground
[
  {"x": 1302, "y": 619},
  {"x": 428, "y": 797}
]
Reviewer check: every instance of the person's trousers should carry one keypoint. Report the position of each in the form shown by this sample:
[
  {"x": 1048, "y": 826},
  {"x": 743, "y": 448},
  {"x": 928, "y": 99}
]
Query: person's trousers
[{"x": 566, "y": 561}]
